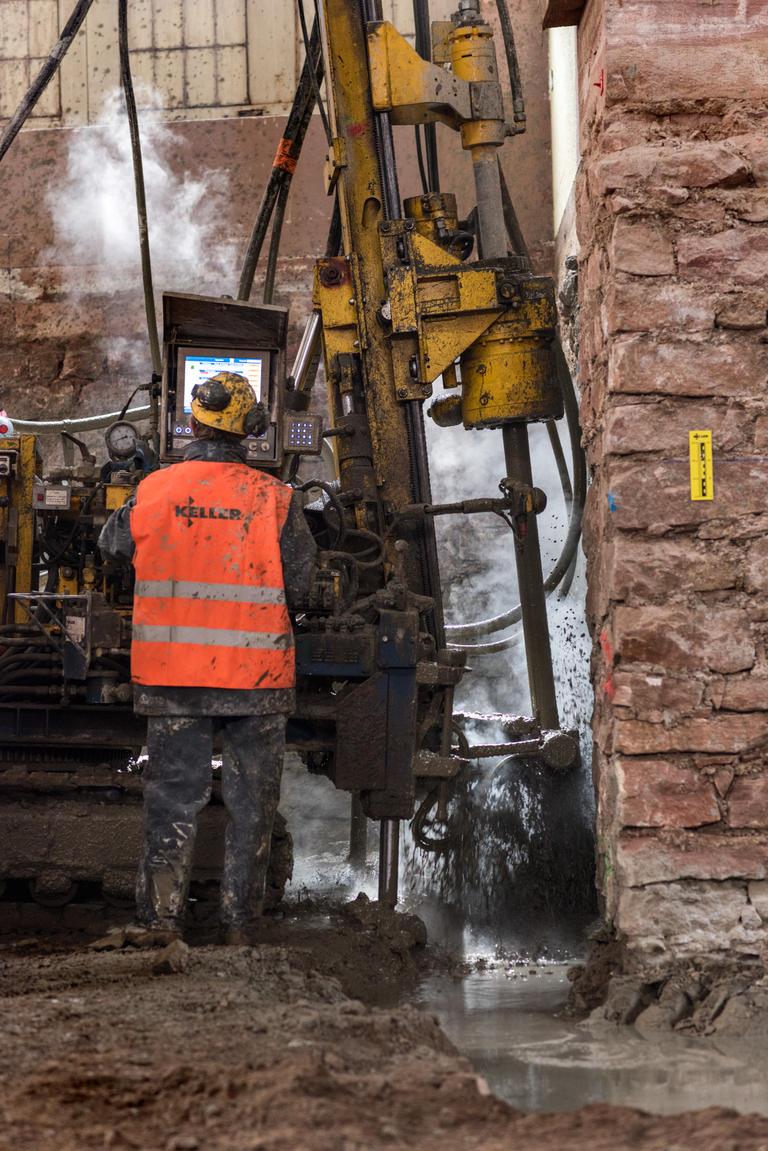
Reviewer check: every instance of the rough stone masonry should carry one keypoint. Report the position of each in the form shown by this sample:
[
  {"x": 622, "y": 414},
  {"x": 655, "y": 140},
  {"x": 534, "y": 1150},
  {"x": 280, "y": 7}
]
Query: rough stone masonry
[{"x": 672, "y": 216}]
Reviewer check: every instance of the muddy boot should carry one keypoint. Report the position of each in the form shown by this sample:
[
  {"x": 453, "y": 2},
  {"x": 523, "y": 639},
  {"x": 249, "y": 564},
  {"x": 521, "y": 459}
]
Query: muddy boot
[
  {"x": 236, "y": 937},
  {"x": 177, "y": 786},
  {"x": 137, "y": 935},
  {"x": 147, "y": 935},
  {"x": 252, "y": 764}
]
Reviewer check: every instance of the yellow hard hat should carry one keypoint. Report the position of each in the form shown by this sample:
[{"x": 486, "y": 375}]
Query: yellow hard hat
[{"x": 228, "y": 402}]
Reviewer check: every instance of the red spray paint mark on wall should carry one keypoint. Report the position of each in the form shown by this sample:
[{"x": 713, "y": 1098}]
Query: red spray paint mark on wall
[{"x": 608, "y": 685}]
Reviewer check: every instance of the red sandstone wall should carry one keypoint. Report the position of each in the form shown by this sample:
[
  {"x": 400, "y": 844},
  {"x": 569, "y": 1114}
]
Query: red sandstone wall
[{"x": 672, "y": 206}]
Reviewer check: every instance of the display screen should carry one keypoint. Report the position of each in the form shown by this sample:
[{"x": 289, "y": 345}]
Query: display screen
[
  {"x": 199, "y": 367},
  {"x": 189, "y": 365}
]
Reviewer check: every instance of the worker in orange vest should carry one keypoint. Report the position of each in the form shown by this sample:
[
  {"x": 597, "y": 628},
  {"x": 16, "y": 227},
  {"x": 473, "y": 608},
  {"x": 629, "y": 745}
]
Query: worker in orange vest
[{"x": 221, "y": 551}]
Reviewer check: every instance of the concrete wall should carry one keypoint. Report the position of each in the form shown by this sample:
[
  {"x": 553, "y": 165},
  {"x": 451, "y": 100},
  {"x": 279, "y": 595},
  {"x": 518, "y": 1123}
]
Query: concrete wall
[
  {"x": 202, "y": 57},
  {"x": 564, "y": 101},
  {"x": 672, "y": 217}
]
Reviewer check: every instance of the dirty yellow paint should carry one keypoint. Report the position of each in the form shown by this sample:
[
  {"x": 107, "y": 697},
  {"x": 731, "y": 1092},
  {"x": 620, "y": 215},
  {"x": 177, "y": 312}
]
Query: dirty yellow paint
[
  {"x": 116, "y": 495},
  {"x": 17, "y": 525},
  {"x": 700, "y": 453}
]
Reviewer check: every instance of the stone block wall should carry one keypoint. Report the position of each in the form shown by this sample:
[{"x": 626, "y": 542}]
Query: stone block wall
[{"x": 672, "y": 217}]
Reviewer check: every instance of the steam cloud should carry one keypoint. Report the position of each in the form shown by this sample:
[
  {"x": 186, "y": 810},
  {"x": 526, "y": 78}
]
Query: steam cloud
[{"x": 94, "y": 210}]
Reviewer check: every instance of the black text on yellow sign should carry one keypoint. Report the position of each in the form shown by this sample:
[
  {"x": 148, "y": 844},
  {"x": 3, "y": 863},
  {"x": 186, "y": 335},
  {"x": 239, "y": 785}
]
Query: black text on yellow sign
[{"x": 700, "y": 452}]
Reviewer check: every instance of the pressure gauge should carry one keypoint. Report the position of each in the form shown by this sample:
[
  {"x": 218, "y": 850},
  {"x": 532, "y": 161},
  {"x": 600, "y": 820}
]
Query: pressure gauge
[{"x": 122, "y": 440}]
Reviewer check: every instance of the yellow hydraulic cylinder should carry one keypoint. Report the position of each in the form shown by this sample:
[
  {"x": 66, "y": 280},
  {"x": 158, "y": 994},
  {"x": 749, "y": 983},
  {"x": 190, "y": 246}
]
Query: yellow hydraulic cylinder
[
  {"x": 435, "y": 216},
  {"x": 473, "y": 58},
  {"x": 508, "y": 374}
]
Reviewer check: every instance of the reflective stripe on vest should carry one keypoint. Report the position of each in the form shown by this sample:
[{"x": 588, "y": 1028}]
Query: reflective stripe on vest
[
  {"x": 214, "y": 637},
  {"x": 209, "y": 605},
  {"x": 186, "y": 589}
]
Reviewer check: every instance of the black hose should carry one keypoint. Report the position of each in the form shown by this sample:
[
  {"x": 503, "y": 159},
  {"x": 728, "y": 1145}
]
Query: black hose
[
  {"x": 285, "y": 184},
  {"x": 420, "y": 160},
  {"x": 284, "y": 164},
  {"x": 13, "y": 655},
  {"x": 312, "y": 72},
  {"x": 561, "y": 463},
  {"x": 274, "y": 242},
  {"x": 514, "y": 231},
  {"x": 424, "y": 48},
  {"x": 518, "y": 103},
  {"x": 44, "y": 76},
  {"x": 376, "y": 548},
  {"x": 138, "y": 179},
  {"x": 24, "y": 689},
  {"x": 419, "y": 823},
  {"x": 341, "y": 527}
]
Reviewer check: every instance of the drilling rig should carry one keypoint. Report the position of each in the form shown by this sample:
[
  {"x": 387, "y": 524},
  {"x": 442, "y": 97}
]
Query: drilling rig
[{"x": 409, "y": 300}]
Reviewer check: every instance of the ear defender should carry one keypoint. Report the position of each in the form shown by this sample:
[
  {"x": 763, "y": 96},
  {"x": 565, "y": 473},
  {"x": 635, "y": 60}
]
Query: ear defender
[
  {"x": 212, "y": 395},
  {"x": 255, "y": 421}
]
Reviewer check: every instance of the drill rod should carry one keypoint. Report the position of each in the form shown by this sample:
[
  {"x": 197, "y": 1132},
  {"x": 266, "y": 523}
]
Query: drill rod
[
  {"x": 517, "y": 456},
  {"x": 531, "y": 585},
  {"x": 389, "y": 860}
]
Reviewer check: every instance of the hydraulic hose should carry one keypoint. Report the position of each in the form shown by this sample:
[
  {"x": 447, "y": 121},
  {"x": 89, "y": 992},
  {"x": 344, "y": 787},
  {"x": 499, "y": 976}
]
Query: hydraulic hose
[
  {"x": 274, "y": 242},
  {"x": 85, "y": 424},
  {"x": 424, "y": 49},
  {"x": 313, "y": 75},
  {"x": 286, "y": 158},
  {"x": 511, "y": 222},
  {"x": 518, "y": 103},
  {"x": 44, "y": 76},
  {"x": 561, "y": 463},
  {"x": 138, "y": 179},
  {"x": 420, "y": 160},
  {"x": 285, "y": 184}
]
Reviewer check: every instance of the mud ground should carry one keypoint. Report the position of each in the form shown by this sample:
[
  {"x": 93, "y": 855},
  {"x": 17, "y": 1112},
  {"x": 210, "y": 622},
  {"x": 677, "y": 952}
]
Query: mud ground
[{"x": 292, "y": 1044}]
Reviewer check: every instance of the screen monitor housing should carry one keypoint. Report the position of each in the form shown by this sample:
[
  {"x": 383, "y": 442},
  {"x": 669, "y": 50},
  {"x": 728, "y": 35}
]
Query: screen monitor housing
[{"x": 204, "y": 336}]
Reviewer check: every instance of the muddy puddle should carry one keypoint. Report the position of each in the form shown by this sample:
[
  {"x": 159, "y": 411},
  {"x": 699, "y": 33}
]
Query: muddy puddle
[
  {"x": 501, "y": 1001},
  {"x": 508, "y": 1024}
]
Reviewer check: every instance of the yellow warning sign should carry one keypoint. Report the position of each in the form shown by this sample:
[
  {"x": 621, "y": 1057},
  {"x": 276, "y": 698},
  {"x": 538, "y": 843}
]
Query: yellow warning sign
[{"x": 700, "y": 451}]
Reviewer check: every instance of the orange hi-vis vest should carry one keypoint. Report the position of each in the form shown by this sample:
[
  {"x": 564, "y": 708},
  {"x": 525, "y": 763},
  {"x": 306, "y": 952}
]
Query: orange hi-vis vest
[{"x": 209, "y": 606}]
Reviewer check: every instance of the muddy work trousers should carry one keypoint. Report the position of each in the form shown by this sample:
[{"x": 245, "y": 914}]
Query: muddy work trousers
[{"x": 177, "y": 786}]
